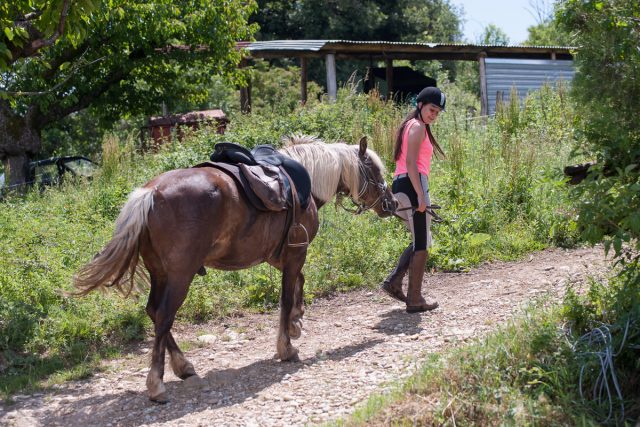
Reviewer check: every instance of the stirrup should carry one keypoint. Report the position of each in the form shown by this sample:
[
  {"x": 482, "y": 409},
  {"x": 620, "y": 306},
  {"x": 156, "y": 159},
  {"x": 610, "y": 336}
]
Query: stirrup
[{"x": 295, "y": 229}]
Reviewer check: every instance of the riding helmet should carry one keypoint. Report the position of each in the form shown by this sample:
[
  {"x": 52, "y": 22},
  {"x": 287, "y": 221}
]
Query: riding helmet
[{"x": 432, "y": 95}]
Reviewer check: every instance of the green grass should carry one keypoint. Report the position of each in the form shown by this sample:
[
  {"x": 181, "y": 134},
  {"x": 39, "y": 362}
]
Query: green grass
[
  {"x": 521, "y": 375},
  {"x": 501, "y": 189}
]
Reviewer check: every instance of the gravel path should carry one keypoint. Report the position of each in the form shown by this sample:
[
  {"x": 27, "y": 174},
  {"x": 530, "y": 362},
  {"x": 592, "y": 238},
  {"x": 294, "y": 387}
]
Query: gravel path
[{"x": 352, "y": 345}]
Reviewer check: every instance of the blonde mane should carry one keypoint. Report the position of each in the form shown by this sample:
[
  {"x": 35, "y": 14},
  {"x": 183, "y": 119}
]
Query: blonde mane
[{"x": 327, "y": 164}]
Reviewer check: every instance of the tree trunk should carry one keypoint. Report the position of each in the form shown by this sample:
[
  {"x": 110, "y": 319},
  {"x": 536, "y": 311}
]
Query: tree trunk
[{"x": 19, "y": 140}]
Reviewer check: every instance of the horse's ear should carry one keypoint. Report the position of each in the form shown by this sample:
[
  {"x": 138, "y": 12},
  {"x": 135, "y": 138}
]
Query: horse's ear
[{"x": 363, "y": 146}]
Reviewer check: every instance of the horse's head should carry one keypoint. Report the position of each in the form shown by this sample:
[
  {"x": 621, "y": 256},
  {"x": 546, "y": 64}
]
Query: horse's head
[{"x": 373, "y": 192}]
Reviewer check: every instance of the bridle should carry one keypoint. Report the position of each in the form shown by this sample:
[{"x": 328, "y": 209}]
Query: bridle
[{"x": 366, "y": 180}]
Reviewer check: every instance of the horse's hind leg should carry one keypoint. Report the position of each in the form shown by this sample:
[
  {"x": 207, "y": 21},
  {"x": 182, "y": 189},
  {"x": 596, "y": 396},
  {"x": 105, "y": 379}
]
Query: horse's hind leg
[
  {"x": 164, "y": 301},
  {"x": 179, "y": 363},
  {"x": 291, "y": 276}
]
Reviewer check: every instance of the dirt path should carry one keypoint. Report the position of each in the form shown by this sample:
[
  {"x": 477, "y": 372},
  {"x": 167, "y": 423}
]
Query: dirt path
[{"x": 352, "y": 345}]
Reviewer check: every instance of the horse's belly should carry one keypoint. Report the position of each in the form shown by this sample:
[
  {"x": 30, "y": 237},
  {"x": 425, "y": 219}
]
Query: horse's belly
[{"x": 257, "y": 241}]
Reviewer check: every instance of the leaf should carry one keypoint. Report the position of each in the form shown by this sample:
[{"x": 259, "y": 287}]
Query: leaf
[
  {"x": 21, "y": 32},
  {"x": 633, "y": 221},
  {"x": 4, "y": 51},
  {"x": 617, "y": 244},
  {"x": 9, "y": 33}
]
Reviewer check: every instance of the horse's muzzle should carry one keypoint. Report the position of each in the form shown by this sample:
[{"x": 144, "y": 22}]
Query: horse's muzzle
[{"x": 389, "y": 205}]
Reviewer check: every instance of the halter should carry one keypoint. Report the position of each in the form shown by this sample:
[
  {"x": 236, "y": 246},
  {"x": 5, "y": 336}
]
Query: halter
[{"x": 362, "y": 207}]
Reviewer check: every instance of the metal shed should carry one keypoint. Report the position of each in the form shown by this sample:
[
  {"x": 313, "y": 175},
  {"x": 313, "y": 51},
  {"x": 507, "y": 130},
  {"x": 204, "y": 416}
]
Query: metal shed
[{"x": 524, "y": 75}]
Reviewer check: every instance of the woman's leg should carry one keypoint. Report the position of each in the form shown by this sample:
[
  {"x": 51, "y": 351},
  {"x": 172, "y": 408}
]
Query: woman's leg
[
  {"x": 421, "y": 242},
  {"x": 392, "y": 285}
]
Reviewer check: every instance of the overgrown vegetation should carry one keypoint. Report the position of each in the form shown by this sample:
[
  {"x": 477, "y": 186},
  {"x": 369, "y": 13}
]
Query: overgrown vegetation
[
  {"x": 527, "y": 374},
  {"x": 501, "y": 190}
]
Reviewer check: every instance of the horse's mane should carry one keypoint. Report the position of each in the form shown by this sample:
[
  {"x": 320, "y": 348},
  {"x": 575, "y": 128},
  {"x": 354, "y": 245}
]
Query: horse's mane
[{"x": 327, "y": 163}]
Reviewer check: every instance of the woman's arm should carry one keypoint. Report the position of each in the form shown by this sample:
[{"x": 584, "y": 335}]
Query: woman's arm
[{"x": 416, "y": 135}]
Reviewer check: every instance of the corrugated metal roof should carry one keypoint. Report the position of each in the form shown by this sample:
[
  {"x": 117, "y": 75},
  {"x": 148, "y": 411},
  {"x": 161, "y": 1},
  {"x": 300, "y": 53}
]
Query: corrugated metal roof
[
  {"x": 317, "y": 45},
  {"x": 372, "y": 49},
  {"x": 308, "y": 45}
]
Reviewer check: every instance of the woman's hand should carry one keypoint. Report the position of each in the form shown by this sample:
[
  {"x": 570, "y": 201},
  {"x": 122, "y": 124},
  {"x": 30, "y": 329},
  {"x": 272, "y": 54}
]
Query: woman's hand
[{"x": 422, "y": 203}]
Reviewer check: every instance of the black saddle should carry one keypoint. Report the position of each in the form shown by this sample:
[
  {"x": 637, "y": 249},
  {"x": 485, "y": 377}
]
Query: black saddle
[{"x": 266, "y": 155}]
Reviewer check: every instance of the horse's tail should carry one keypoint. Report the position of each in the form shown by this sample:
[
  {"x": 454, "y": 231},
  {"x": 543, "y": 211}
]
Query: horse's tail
[{"x": 117, "y": 264}]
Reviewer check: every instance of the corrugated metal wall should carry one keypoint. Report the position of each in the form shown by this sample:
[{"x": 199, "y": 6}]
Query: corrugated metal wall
[{"x": 525, "y": 74}]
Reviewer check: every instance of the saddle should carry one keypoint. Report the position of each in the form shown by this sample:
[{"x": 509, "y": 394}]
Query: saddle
[{"x": 270, "y": 180}]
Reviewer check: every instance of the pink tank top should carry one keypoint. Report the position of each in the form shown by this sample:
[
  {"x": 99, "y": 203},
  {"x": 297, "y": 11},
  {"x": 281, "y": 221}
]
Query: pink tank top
[{"x": 424, "y": 155}]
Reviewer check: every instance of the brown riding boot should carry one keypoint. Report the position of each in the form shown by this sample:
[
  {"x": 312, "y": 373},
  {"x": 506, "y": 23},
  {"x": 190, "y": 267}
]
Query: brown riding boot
[
  {"x": 415, "y": 301},
  {"x": 392, "y": 285}
]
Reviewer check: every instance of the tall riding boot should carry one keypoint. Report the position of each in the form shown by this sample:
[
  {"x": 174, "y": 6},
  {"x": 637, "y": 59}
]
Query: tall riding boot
[
  {"x": 393, "y": 283},
  {"x": 415, "y": 302}
]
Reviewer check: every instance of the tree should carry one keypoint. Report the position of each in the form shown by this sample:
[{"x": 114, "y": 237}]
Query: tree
[
  {"x": 403, "y": 20},
  {"x": 547, "y": 31},
  {"x": 607, "y": 91},
  {"x": 493, "y": 35},
  {"x": 120, "y": 57}
]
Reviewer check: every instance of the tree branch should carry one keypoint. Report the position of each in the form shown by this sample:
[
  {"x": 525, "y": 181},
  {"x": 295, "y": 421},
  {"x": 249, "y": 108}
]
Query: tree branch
[
  {"x": 85, "y": 99},
  {"x": 54, "y": 88},
  {"x": 37, "y": 39},
  {"x": 38, "y": 44}
]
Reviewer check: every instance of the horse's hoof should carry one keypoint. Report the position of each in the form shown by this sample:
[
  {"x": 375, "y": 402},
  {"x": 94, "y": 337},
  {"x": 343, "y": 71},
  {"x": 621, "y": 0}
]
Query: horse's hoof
[
  {"x": 160, "y": 399},
  {"x": 184, "y": 370},
  {"x": 187, "y": 374},
  {"x": 293, "y": 357}
]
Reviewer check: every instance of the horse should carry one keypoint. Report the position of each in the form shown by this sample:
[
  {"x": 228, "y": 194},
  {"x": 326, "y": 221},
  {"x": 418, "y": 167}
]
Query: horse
[{"x": 185, "y": 219}]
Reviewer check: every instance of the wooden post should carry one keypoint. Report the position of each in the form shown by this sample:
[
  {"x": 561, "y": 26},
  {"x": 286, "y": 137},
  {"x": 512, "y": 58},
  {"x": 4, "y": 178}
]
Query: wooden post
[
  {"x": 245, "y": 92},
  {"x": 303, "y": 80},
  {"x": 484, "y": 100},
  {"x": 332, "y": 86},
  {"x": 499, "y": 100},
  {"x": 389, "y": 77}
]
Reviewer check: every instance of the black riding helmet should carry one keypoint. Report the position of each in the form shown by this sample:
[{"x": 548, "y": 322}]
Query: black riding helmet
[{"x": 432, "y": 95}]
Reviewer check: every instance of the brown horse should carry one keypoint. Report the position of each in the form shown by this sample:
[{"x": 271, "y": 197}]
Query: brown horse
[{"x": 184, "y": 219}]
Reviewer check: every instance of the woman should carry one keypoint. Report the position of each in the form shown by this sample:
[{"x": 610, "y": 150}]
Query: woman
[{"x": 413, "y": 151}]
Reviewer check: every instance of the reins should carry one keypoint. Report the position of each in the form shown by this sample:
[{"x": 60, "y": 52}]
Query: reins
[{"x": 429, "y": 210}]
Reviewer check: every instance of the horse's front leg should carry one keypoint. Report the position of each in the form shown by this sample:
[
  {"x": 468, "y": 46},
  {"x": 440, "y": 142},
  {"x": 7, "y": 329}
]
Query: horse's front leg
[
  {"x": 289, "y": 309},
  {"x": 295, "y": 318}
]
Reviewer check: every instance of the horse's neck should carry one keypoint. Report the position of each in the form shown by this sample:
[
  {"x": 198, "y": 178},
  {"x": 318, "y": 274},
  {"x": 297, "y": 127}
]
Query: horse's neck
[{"x": 326, "y": 176}]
